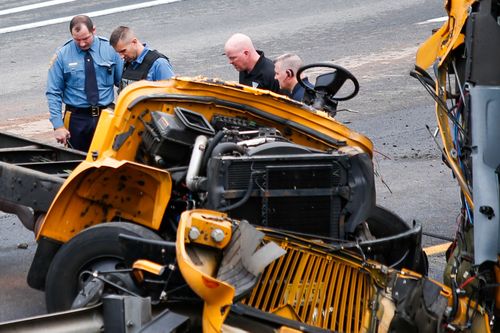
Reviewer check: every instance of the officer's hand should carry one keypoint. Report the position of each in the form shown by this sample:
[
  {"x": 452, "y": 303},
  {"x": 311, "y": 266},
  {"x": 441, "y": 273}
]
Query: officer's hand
[{"x": 62, "y": 135}]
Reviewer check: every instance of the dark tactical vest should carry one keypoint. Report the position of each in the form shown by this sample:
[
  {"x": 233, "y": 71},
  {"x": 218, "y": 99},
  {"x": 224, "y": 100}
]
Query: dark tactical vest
[{"x": 131, "y": 75}]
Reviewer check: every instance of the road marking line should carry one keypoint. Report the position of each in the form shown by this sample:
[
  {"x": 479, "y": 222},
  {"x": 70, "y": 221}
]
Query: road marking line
[
  {"x": 436, "y": 249},
  {"x": 434, "y": 20},
  {"x": 91, "y": 14},
  {"x": 33, "y": 6}
]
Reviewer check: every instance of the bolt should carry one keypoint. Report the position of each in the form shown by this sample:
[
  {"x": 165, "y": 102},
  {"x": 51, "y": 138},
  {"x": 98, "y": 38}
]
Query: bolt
[
  {"x": 217, "y": 235},
  {"x": 194, "y": 233}
]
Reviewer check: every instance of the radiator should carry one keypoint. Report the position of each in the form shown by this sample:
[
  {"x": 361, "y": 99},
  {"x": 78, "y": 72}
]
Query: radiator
[
  {"x": 288, "y": 192},
  {"x": 315, "y": 288}
]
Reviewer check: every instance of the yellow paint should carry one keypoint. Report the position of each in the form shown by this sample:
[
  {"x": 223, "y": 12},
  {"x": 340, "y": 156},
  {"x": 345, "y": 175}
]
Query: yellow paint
[
  {"x": 199, "y": 272},
  {"x": 94, "y": 192},
  {"x": 447, "y": 38}
]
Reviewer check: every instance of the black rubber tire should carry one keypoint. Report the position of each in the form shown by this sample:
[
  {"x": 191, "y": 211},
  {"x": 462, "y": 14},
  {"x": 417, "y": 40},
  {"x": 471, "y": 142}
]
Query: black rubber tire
[
  {"x": 87, "y": 247},
  {"x": 385, "y": 223}
]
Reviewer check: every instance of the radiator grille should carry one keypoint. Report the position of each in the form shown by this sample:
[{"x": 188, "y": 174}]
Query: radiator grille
[
  {"x": 238, "y": 176},
  {"x": 287, "y": 174},
  {"x": 312, "y": 215},
  {"x": 318, "y": 289},
  {"x": 297, "y": 177},
  {"x": 286, "y": 191}
]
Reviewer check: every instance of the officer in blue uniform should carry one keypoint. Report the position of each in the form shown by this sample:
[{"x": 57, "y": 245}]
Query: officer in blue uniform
[
  {"x": 82, "y": 75},
  {"x": 141, "y": 63}
]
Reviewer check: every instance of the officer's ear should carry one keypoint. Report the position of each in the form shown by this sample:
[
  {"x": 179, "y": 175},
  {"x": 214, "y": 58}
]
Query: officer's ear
[{"x": 289, "y": 73}]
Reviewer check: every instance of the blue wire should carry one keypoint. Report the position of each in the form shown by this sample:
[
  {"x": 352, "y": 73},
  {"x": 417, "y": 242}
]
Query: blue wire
[{"x": 459, "y": 154}]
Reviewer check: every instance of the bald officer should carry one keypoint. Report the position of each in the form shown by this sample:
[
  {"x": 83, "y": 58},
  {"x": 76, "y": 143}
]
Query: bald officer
[{"x": 255, "y": 69}]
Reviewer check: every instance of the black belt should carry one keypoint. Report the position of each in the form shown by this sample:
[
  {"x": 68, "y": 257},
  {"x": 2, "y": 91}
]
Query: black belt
[{"x": 94, "y": 111}]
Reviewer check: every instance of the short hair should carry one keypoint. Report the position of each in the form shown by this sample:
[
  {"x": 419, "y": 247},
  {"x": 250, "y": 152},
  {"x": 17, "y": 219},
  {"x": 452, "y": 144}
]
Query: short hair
[
  {"x": 78, "y": 20},
  {"x": 289, "y": 61},
  {"x": 239, "y": 42},
  {"x": 120, "y": 33}
]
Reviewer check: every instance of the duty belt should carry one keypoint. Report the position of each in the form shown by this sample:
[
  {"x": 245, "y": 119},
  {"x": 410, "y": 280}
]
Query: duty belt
[{"x": 94, "y": 111}]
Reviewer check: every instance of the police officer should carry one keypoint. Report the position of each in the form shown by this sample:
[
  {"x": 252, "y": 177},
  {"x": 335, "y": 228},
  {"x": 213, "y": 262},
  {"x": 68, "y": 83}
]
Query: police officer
[
  {"x": 255, "y": 69},
  {"x": 82, "y": 75},
  {"x": 285, "y": 70},
  {"x": 141, "y": 63}
]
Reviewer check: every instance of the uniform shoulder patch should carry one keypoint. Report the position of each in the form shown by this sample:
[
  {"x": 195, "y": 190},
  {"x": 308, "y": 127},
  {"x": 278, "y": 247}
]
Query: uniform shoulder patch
[{"x": 52, "y": 60}]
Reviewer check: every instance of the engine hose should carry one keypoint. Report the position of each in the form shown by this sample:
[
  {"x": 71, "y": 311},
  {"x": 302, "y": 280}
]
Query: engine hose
[
  {"x": 245, "y": 197},
  {"x": 210, "y": 147},
  {"x": 227, "y": 147}
]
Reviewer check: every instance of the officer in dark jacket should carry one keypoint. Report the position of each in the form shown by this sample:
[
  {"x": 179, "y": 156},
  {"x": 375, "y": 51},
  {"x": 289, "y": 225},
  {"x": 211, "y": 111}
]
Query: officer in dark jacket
[
  {"x": 255, "y": 69},
  {"x": 141, "y": 63},
  {"x": 285, "y": 68}
]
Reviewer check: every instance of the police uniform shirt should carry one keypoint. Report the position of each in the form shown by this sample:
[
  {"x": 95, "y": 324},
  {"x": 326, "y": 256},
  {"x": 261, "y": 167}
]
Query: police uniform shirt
[
  {"x": 261, "y": 76},
  {"x": 66, "y": 77},
  {"x": 160, "y": 70}
]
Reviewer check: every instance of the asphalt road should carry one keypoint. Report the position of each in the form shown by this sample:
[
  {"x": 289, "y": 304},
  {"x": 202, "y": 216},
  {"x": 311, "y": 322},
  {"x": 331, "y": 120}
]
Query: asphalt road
[{"x": 375, "y": 39}]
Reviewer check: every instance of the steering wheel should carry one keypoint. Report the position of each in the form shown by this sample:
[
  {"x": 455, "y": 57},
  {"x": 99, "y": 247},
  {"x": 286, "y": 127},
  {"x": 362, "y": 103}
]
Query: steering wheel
[{"x": 328, "y": 84}]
